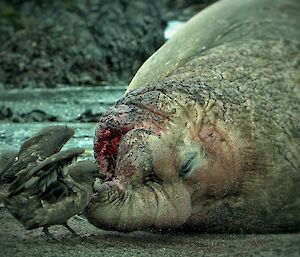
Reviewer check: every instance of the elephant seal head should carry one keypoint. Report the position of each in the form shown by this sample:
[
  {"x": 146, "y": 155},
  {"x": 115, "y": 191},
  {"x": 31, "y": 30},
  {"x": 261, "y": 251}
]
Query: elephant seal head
[{"x": 158, "y": 147}]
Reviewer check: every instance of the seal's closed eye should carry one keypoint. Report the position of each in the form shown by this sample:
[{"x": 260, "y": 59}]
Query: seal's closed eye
[{"x": 187, "y": 166}]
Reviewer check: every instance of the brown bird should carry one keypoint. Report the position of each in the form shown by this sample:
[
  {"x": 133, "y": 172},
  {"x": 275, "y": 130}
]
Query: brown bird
[
  {"x": 6, "y": 160},
  {"x": 47, "y": 187},
  {"x": 45, "y": 143}
]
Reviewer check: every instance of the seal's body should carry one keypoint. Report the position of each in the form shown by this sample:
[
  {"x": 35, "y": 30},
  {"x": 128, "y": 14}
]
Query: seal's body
[{"x": 207, "y": 135}]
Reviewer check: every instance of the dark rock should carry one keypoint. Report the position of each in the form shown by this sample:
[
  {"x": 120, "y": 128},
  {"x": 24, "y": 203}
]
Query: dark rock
[
  {"x": 88, "y": 116},
  {"x": 5, "y": 113},
  {"x": 77, "y": 42},
  {"x": 184, "y": 9},
  {"x": 35, "y": 115}
]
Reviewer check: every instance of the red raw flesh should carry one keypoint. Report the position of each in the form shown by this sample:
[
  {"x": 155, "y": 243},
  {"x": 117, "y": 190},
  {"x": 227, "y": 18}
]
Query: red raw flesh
[{"x": 106, "y": 149}]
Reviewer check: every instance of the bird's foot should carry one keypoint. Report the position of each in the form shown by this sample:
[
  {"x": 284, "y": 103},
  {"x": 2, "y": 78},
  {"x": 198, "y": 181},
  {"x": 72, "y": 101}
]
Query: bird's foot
[
  {"x": 74, "y": 234},
  {"x": 49, "y": 235},
  {"x": 77, "y": 217}
]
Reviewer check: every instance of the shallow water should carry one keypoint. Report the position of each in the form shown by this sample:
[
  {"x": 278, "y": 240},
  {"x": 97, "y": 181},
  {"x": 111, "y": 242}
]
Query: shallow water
[
  {"x": 172, "y": 27},
  {"x": 67, "y": 104}
]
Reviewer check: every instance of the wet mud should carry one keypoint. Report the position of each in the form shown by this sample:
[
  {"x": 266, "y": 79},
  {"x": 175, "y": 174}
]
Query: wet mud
[{"x": 17, "y": 242}]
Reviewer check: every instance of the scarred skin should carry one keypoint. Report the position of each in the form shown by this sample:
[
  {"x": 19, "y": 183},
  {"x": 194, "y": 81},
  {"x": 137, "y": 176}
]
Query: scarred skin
[{"x": 207, "y": 136}]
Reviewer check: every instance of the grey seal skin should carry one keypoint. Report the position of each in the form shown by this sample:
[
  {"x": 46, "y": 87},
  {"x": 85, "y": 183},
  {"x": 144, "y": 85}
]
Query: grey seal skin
[{"x": 207, "y": 135}]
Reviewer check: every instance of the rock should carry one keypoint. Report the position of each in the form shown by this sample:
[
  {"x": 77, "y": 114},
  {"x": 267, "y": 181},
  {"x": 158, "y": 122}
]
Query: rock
[{"x": 76, "y": 42}]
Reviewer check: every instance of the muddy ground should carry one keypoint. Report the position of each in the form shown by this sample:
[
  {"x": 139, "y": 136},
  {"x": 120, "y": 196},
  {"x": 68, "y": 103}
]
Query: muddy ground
[{"x": 15, "y": 242}]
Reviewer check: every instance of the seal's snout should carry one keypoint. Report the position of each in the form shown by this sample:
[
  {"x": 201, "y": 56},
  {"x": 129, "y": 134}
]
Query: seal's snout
[
  {"x": 136, "y": 110},
  {"x": 116, "y": 150}
]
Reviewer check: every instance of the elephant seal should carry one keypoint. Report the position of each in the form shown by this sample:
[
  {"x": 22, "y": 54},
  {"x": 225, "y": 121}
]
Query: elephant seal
[{"x": 207, "y": 135}]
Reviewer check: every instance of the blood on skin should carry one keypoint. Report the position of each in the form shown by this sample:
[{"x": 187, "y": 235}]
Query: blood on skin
[
  {"x": 107, "y": 138},
  {"x": 106, "y": 149}
]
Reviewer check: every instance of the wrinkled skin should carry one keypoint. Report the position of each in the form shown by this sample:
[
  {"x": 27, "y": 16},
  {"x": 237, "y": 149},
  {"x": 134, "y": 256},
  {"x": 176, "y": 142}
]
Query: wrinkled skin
[
  {"x": 151, "y": 168},
  {"x": 175, "y": 158},
  {"x": 209, "y": 143}
]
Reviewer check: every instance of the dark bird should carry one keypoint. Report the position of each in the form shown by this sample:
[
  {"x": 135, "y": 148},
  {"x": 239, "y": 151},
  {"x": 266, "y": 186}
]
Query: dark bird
[
  {"x": 6, "y": 160},
  {"x": 45, "y": 143},
  {"x": 47, "y": 187}
]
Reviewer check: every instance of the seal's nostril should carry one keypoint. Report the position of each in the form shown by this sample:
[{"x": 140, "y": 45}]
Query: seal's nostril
[{"x": 151, "y": 177}]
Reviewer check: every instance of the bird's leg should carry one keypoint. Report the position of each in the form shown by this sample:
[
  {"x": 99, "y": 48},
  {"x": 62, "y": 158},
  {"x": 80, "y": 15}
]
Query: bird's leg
[
  {"x": 77, "y": 217},
  {"x": 48, "y": 234},
  {"x": 65, "y": 224}
]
